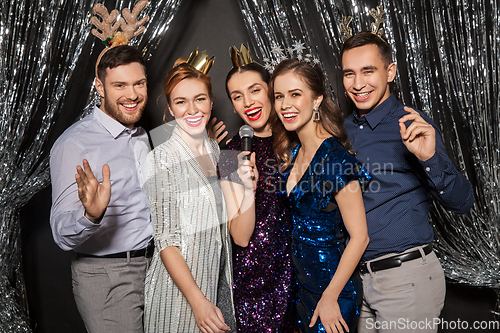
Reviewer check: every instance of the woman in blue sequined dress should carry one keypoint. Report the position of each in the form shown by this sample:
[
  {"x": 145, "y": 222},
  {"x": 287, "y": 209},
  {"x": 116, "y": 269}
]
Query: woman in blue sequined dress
[
  {"x": 322, "y": 182},
  {"x": 262, "y": 269}
]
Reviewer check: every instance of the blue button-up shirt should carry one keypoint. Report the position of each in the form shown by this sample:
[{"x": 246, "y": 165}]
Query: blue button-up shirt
[
  {"x": 398, "y": 198},
  {"x": 126, "y": 224}
]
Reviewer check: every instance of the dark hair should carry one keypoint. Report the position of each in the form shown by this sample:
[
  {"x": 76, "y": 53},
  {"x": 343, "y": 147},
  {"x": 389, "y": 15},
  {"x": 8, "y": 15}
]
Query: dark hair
[
  {"x": 264, "y": 74},
  {"x": 118, "y": 56},
  {"x": 367, "y": 38},
  {"x": 330, "y": 114}
]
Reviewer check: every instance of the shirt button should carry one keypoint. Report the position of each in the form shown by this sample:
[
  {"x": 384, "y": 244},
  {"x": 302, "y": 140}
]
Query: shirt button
[
  {"x": 427, "y": 169},
  {"x": 441, "y": 192},
  {"x": 360, "y": 126}
]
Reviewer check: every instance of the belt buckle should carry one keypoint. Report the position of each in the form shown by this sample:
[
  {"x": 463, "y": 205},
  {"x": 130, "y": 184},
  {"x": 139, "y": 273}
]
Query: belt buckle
[{"x": 363, "y": 268}]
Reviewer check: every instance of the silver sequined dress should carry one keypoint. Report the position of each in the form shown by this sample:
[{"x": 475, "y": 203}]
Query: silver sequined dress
[{"x": 184, "y": 214}]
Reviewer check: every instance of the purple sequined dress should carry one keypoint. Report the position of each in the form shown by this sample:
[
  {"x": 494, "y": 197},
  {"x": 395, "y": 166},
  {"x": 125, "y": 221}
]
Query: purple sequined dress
[{"x": 262, "y": 270}]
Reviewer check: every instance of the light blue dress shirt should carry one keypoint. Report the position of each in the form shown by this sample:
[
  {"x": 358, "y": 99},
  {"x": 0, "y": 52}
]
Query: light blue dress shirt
[{"x": 126, "y": 224}]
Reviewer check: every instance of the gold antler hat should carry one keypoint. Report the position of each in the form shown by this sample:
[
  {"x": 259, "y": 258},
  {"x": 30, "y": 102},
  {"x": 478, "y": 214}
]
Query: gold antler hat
[
  {"x": 240, "y": 58},
  {"x": 376, "y": 13}
]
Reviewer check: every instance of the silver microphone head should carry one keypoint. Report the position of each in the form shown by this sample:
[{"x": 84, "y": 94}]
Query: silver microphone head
[{"x": 246, "y": 131}]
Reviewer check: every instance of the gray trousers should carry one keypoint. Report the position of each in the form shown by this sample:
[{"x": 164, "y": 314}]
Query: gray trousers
[
  {"x": 406, "y": 299},
  {"x": 109, "y": 293}
]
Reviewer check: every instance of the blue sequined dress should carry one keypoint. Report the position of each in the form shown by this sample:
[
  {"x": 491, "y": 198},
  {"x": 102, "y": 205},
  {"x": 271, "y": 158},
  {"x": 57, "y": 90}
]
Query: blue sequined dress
[
  {"x": 318, "y": 233},
  {"x": 262, "y": 271}
]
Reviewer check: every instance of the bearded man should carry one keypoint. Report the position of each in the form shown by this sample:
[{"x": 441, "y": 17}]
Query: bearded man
[{"x": 102, "y": 215}]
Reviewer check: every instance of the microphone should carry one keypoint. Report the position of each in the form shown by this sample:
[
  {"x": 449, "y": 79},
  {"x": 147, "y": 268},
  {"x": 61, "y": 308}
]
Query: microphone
[{"x": 246, "y": 134}]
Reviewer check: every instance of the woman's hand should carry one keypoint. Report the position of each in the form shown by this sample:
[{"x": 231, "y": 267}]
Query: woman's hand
[
  {"x": 328, "y": 311},
  {"x": 217, "y": 130},
  {"x": 209, "y": 317},
  {"x": 247, "y": 171}
]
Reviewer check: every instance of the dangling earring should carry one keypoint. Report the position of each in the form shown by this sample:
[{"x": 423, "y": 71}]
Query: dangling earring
[
  {"x": 234, "y": 110},
  {"x": 316, "y": 116}
]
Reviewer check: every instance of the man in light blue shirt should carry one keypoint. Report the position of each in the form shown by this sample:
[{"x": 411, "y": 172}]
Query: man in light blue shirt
[{"x": 101, "y": 213}]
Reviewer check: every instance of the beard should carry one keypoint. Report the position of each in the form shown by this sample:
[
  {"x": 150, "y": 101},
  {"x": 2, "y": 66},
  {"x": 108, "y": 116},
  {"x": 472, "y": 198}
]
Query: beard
[{"x": 127, "y": 119}]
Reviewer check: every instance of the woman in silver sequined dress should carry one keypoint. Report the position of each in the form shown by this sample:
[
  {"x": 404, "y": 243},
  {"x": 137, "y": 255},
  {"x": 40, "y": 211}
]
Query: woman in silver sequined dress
[{"x": 188, "y": 286}]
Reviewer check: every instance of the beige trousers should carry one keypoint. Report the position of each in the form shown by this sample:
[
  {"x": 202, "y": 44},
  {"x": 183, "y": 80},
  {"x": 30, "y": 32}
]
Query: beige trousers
[{"x": 404, "y": 299}]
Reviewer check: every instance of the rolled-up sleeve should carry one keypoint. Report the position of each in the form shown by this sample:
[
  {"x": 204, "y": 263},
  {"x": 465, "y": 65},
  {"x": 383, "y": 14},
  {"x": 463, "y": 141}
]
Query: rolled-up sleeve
[{"x": 162, "y": 189}]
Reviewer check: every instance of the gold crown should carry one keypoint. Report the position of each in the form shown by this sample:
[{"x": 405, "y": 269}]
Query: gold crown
[
  {"x": 240, "y": 58},
  {"x": 200, "y": 61},
  {"x": 376, "y": 13}
]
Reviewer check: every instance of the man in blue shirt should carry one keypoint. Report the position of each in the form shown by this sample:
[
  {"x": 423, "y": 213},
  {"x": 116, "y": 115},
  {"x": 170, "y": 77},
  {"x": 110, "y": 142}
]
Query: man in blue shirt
[
  {"x": 403, "y": 282},
  {"x": 105, "y": 219}
]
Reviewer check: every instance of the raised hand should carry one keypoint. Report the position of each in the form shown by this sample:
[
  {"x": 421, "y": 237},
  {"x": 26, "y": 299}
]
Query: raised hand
[
  {"x": 217, "y": 130},
  {"x": 419, "y": 137},
  {"x": 209, "y": 317},
  {"x": 328, "y": 311},
  {"x": 94, "y": 196}
]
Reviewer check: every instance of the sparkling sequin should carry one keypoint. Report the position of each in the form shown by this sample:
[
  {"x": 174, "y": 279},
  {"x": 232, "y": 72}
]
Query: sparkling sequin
[
  {"x": 262, "y": 270},
  {"x": 318, "y": 233}
]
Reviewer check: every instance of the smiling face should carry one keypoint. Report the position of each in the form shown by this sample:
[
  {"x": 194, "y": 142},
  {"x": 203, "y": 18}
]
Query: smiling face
[
  {"x": 294, "y": 102},
  {"x": 367, "y": 77},
  {"x": 124, "y": 93},
  {"x": 250, "y": 100},
  {"x": 190, "y": 105}
]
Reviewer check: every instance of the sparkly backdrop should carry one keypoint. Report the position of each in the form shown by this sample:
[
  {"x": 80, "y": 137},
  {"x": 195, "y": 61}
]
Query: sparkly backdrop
[
  {"x": 447, "y": 54},
  {"x": 41, "y": 43}
]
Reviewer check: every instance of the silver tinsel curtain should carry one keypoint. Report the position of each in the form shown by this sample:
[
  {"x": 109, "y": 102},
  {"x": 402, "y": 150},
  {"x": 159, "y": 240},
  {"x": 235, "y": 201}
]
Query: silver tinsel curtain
[
  {"x": 41, "y": 43},
  {"x": 447, "y": 54}
]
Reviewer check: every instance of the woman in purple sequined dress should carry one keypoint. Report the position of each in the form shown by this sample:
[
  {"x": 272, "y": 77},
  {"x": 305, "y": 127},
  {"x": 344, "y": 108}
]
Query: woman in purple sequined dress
[{"x": 262, "y": 269}]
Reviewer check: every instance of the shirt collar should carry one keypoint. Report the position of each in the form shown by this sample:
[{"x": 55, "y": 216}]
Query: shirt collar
[
  {"x": 111, "y": 125},
  {"x": 376, "y": 115}
]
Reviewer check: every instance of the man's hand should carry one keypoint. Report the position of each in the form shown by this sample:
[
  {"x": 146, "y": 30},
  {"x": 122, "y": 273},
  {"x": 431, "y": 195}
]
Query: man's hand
[
  {"x": 419, "y": 137},
  {"x": 94, "y": 196}
]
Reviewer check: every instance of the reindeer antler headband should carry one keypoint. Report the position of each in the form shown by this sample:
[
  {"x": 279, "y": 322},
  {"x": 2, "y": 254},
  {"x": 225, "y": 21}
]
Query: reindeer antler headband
[{"x": 109, "y": 25}]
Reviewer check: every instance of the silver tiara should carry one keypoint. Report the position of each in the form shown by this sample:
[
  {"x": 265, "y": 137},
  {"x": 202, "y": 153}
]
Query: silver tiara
[{"x": 295, "y": 51}]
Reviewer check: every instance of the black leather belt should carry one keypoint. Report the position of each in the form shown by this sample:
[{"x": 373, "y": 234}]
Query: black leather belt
[
  {"x": 395, "y": 261},
  {"x": 146, "y": 252}
]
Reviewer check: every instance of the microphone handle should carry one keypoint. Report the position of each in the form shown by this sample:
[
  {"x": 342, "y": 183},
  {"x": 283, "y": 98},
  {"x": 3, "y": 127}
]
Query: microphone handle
[{"x": 246, "y": 145}]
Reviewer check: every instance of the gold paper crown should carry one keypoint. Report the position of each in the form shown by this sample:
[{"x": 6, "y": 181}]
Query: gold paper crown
[
  {"x": 200, "y": 61},
  {"x": 376, "y": 13},
  {"x": 240, "y": 58}
]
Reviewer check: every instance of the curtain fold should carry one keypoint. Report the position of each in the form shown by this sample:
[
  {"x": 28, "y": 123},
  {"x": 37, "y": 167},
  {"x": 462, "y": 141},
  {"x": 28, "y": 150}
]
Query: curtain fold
[{"x": 41, "y": 43}]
